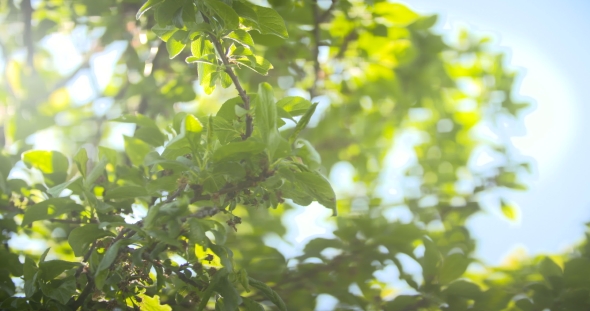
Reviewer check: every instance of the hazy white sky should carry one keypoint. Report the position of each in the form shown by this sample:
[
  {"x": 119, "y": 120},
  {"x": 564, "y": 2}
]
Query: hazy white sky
[{"x": 548, "y": 40}]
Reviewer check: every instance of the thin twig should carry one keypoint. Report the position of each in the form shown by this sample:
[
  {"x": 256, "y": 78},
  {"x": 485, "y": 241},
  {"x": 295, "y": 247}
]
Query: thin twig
[
  {"x": 351, "y": 36},
  {"x": 71, "y": 221},
  {"x": 85, "y": 292}
]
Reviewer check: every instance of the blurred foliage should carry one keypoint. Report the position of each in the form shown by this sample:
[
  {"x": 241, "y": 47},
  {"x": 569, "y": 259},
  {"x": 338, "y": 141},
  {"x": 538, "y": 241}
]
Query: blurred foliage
[{"x": 174, "y": 213}]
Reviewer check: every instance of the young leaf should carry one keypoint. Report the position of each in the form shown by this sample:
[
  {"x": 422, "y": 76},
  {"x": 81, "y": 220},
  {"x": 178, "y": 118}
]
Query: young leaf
[
  {"x": 294, "y": 105},
  {"x": 302, "y": 122},
  {"x": 81, "y": 158},
  {"x": 256, "y": 63},
  {"x": 225, "y": 12}
]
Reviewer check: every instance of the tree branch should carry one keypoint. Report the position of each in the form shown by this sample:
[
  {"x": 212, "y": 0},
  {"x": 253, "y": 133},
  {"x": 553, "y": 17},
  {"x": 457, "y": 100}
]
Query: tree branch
[
  {"x": 228, "y": 69},
  {"x": 27, "y": 34},
  {"x": 316, "y": 47},
  {"x": 326, "y": 14}
]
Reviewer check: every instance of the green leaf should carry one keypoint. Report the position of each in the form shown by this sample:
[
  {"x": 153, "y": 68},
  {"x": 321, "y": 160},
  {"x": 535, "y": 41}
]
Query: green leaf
[
  {"x": 150, "y": 135},
  {"x": 257, "y": 63},
  {"x": 165, "y": 12},
  {"x": 243, "y": 279},
  {"x": 226, "y": 80},
  {"x": 242, "y": 37},
  {"x": 245, "y": 12},
  {"x": 125, "y": 192},
  {"x": 269, "y": 21},
  {"x": 136, "y": 149},
  {"x": 80, "y": 238},
  {"x": 252, "y": 305},
  {"x": 48, "y": 209},
  {"x": 206, "y": 59},
  {"x": 30, "y": 275},
  {"x": 225, "y": 255},
  {"x": 576, "y": 273},
  {"x": 111, "y": 154},
  {"x": 164, "y": 32},
  {"x": 202, "y": 47},
  {"x": 188, "y": 12},
  {"x": 152, "y": 303},
  {"x": 238, "y": 149},
  {"x": 110, "y": 255},
  {"x": 302, "y": 122},
  {"x": 463, "y": 289},
  {"x": 81, "y": 158},
  {"x": 266, "y": 112},
  {"x": 52, "y": 163},
  {"x": 431, "y": 260},
  {"x": 396, "y": 13},
  {"x": 231, "y": 297},
  {"x": 96, "y": 171},
  {"x": 208, "y": 76},
  {"x": 222, "y": 273},
  {"x": 452, "y": 267},
  {"x": 319, "y": 187},
  {"x": 177, "y": 19},
  {"x": 294, "y": 105},
  {"x": 176, "y": 43},
  {"x": 549, "y": 268},
  {"x": 402, "y": 302},
  {"x": 509, "y": 210},
  {"x": 269, "y": 293},
  {"x": 146, "y": 6},
  {"x": 138, "y": 119},
  {"x": 53, "y": 268},
  {"x": 225, "y": 12},
  {"x": 192, "y": 124},
  {"x": 61, "y": 290}
]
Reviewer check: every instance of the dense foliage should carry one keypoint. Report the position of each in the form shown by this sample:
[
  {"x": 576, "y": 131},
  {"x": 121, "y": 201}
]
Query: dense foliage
[{"x": 175, "y": 216}]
